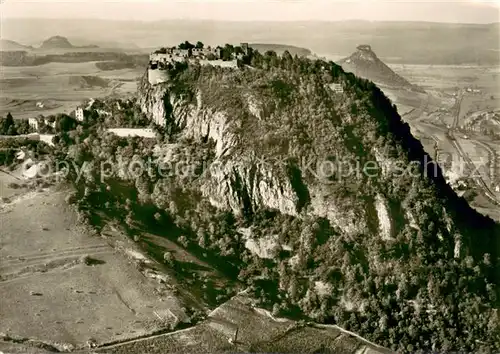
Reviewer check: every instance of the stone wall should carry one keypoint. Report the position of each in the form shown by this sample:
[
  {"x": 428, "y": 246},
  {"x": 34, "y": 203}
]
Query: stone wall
[{"x": 156, "y": 77}]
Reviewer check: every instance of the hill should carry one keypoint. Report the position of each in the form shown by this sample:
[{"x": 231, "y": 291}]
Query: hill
[
  {"x": 338, "y": 243},
  {"x": 8, "y": 45},
  {"x": 56, "y": 42},
  {"x": 302, "y": 182},
  {"x": 115, "y": 59},
  {"x": 365, "y": 63},
  {"x": 59, "y": 42},
  {"x": 280, "y": 48}
]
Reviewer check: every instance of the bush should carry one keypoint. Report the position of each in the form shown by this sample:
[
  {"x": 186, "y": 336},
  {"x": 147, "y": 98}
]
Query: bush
[
  {"x": 168, "y": 257},
  {"x": 85, "y": 259}
]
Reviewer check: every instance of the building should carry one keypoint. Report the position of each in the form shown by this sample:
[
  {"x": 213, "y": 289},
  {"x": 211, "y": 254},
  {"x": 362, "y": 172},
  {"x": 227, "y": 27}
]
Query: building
[
  {"x": 364, "y": 48},
  {"x": 171, "y": 55},
  {"x": 162, "y": 59},
  {"x": 133, "y": 132},
  {"x": 79, "y": 114},
  {"x": 50, "y": 123},
  {"x": 244, "y": 46},
  {"x": 337, "y": 88},
  {"x": 33, "y": 123}
]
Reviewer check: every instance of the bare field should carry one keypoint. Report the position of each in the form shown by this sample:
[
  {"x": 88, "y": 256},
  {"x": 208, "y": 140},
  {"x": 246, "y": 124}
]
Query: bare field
[
  {"x": 60, "y": 87},
  {"x": 448, "y": 77},
  {"x": 479, "y": 157},
  {"x": 10, "y": 185},
  {"x": 67, "y": 286}
]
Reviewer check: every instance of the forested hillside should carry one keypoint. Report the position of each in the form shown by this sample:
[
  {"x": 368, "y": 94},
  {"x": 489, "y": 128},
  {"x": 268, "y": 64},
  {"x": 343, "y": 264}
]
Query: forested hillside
[{"x": 249, "y": 171}]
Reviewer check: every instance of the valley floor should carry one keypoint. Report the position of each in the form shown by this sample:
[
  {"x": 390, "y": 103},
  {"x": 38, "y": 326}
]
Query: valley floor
[
  {"x": 438, "y": 118},
  {"x": 28, "y": 91}
]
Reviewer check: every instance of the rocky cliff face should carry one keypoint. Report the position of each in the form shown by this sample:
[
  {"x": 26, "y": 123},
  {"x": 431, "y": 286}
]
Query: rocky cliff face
[{"x": 244, "y": 181}]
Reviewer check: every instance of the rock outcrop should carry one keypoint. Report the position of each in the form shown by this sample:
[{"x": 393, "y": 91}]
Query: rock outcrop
[
  {"x": 243, "y": 181},
  {"x": 366, "y": 64}
]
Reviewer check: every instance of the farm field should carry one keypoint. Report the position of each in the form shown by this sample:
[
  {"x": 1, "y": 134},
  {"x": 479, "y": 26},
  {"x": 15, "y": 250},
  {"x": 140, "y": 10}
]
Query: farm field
[
  {"x": 449, "y": 77},
  {"x": 67, "y": 285},
  {"x": 10, "y": 185},
  {"x": 60, "y": 87},
  {"x": 479, "y": 157}
]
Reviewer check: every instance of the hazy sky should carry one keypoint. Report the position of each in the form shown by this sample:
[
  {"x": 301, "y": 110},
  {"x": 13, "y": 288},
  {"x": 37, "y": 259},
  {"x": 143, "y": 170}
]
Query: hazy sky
[{"x": 465, "y": 11}]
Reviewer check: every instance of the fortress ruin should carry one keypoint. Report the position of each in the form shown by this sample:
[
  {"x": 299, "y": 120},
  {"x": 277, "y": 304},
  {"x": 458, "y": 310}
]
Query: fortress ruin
[{"x": 161, "y": 60}]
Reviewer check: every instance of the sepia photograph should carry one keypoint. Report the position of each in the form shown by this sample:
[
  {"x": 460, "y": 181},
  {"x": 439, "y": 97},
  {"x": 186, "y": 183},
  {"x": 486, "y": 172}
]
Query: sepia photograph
[{"x": 249, "y": 176}]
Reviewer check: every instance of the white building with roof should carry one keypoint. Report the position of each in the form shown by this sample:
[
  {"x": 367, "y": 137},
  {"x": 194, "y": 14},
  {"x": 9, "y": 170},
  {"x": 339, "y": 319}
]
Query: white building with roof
[
  {"x": 33, "y": 123},
  {"x": 79, "y": 114}
]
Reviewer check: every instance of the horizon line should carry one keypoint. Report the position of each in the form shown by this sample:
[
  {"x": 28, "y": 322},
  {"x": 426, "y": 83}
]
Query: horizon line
[{"x": 243, "y": 21}]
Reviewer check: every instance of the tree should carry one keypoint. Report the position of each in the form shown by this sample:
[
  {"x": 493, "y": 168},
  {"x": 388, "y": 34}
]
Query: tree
[
  {"x": 186, "y": 45},
  {"x": 276, "y": 309},
  {"x": 287, "y": 60},
  {"x": 256, "y": 60},
  {"x": 168, "y": 258},
  {"x": 129, "y": 220},
  {"x": 227, "y": 52},
  {"x": 23, "y": 127},
  {"x": 7, "y": 125},
  {"x": 65, "y": 123},
  {"x": 199, "y": 45},
  {"x": 183, "y": 240}
]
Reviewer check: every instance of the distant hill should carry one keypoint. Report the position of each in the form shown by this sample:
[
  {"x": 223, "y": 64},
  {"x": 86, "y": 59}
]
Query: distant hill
[
  {"x": 280, "y": 48},
  {"x": 56, "y": 42},
  {"x": 399, "y": 42},
  {"x": 12, "y": 46},
  {"x": 59, "y": 42},
  {"x": 112, "y": 59},
  {"x": 366, "y": 64},
  {"x": 87, "y": 43}
]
